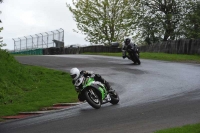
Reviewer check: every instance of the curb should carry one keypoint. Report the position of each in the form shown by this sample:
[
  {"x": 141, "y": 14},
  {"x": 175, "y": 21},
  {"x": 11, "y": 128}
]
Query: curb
[{"x": 44, "y": 110}]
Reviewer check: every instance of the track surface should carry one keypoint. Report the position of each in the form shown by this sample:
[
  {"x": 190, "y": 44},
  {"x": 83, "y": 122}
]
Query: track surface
[{"x": 153, "y": 96}]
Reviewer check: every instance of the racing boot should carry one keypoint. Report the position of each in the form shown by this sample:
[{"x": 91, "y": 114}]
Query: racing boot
[{"x": 108, "y": 87}]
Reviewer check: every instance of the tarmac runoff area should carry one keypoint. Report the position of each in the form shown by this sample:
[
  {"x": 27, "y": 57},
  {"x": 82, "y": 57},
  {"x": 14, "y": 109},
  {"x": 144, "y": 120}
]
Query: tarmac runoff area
[{"x": 52, "y": 108}]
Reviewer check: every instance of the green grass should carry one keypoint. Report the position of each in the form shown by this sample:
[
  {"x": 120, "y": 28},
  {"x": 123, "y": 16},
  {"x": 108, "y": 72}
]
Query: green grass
[
  {"x": 29, "y": 88},
  {"x": 160, "y": 56},
  {"x": 185, "y": 129}
]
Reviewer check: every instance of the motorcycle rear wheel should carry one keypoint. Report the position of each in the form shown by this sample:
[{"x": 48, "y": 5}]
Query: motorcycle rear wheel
[
  {"x": 138, "y": 60},
  {"x": 114, "y": 98},
  {"x": 92, "y": 98}
]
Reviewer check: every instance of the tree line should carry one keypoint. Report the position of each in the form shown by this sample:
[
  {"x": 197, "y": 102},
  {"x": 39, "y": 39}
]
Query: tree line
[
  {"x": 145, "y": 21},
  {"x": 1, "y": 28}
]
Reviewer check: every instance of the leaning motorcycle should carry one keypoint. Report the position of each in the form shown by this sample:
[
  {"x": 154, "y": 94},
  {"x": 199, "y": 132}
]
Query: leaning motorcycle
[
  {"x": 94, "y": 92},
  {"x": 133, "y": 55}
]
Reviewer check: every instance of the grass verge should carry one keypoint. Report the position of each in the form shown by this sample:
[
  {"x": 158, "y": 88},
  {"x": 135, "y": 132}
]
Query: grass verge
[
  {"x": 159, "y": 56},
  {"x": 29, "y": 88},
  {"x": 184, "y": 129}
]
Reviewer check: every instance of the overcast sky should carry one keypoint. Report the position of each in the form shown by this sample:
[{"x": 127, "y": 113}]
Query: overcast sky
[{"x": 28, "y": 17}]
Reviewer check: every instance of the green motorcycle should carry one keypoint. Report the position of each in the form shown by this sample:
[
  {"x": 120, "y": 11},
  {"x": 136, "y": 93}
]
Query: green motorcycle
[{"x": 94, "y": 92}]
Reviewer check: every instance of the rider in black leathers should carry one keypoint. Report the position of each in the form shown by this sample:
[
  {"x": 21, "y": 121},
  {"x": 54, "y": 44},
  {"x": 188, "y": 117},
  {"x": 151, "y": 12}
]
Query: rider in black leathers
[{"x": 128, "y": 47}]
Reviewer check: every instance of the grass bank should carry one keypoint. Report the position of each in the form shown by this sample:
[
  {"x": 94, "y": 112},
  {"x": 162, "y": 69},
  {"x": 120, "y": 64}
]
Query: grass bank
[
  {"x": 159, "y": 56},
  {"x": 184, "y": 129},
  {"x": 29, "y": 88}
]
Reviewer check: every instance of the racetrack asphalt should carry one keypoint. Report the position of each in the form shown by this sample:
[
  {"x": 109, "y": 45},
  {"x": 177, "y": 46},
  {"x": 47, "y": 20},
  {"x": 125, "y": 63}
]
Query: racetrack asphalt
[{"x": 153, "y": 96}]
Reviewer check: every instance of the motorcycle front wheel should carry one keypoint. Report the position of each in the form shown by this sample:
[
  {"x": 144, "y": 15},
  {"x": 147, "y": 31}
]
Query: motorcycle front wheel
[{"x": 92, "y": 98}]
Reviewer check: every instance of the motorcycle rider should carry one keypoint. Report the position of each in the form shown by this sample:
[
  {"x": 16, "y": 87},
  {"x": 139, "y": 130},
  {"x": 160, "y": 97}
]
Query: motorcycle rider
[
  {"x": 128, "y": 46},
  {"x": 75, "y": 74}
]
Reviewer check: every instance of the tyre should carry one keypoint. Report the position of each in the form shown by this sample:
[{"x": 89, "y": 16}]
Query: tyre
[
  {"x": 133, "y": 58},
  {"x": 92, "y": 98},
  {"x": 137, "y": 59},
  {"x": 114, "y": 98}
]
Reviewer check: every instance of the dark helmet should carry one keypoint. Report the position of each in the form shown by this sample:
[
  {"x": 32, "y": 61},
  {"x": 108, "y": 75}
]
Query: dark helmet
[{"x": 127, "y": 41}]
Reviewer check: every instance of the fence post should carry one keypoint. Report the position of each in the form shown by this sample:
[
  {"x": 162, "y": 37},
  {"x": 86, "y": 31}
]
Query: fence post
[
  {"x": 47, "y": 38},
  {"x": 26, "y": 42},
  {"x": 42, "y": 40},
  {"x": 58, "y": 34},
  {"x": 53, "y": 38},
  {"x": 63, "y": 34},
  {"x": 37, "y": 39},
  {"x": 32, "y": 42},
  {"x": 20, "y": 44}
]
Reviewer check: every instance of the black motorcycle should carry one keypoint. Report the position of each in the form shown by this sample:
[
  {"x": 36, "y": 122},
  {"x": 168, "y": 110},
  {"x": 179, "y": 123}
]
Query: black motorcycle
[{"x": 133, "y": 54}]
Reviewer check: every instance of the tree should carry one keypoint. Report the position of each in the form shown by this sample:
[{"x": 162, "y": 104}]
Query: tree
[
  {"x": 159, "y": 20},
  {"x": 191, "y": 23},
  {"x": 102, "y": 21},
  {"x": 1, "y": 41}
]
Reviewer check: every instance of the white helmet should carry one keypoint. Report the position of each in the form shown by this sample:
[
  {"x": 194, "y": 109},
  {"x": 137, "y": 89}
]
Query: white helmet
[{"x": 74, "y": 72}]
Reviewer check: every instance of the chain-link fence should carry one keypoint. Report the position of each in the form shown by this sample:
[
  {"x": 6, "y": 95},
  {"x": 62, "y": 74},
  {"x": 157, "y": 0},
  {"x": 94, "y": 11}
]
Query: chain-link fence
[{"x": 38, "y": 41}]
